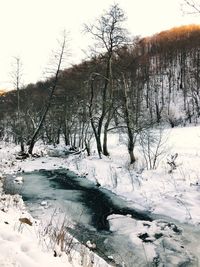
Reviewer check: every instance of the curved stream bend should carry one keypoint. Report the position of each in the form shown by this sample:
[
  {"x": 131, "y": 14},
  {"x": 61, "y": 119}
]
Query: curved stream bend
[
  {"x": 89, "y": 206},
  {"x": 100, "y": 202}
]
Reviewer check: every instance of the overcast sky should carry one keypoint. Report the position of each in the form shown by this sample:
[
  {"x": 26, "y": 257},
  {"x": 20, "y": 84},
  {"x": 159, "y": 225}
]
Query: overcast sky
[{"x": 29, "y": 28}]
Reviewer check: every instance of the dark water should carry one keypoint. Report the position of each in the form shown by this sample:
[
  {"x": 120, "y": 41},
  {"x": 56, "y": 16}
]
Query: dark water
[
  {"x": 99, "y": 202},
  {"x": 87, "y": 206}
]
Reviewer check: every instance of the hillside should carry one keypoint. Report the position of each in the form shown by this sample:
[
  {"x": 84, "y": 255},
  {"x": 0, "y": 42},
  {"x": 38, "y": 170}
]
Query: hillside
[{"x": 156, "y": 78}]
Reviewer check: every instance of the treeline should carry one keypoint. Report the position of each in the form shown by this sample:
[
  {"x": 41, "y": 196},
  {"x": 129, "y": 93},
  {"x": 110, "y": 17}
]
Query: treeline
[{"x": 128, "y": 88}]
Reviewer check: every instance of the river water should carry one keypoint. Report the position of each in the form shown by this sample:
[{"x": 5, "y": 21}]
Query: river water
[{"x": 87, "y": 208}]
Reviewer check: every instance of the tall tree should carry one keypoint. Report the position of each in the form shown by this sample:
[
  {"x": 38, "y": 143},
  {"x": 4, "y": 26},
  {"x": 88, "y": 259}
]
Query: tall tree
[
  {"x": 59, "y": 56},
  {"x": 17, "y": 81},
  {"x": 109, "y": 35}
]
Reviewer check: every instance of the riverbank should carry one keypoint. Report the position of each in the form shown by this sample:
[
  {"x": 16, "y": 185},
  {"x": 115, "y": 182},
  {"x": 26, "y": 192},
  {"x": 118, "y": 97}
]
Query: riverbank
[
  {"x": 20, "y": 240},
  {"x": 26, "y": 241},
  {"x": 173, "y": 194}
]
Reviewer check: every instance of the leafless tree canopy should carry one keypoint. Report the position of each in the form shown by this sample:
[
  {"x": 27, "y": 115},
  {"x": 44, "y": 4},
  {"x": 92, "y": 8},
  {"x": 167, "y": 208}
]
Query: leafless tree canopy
[{"x": 124, "y": 88}]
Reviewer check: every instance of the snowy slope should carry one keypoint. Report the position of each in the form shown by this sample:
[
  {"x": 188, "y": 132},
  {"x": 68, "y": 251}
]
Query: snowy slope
[{"x": 19, "y": 242}]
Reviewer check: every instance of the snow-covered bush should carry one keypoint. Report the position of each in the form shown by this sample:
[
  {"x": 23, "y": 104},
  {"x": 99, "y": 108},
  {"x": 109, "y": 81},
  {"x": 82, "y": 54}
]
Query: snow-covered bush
[{"x": 153, "y": 145}]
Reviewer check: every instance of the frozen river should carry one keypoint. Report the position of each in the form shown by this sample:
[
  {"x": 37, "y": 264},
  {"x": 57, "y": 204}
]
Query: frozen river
[{"x": 128, "y": 236}]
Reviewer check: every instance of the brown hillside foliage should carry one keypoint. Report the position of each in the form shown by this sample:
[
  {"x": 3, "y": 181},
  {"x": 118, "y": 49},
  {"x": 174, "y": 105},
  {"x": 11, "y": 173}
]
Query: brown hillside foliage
[
  {"x": 185, "y": 36},
  {"x": 156, "y": 71}
]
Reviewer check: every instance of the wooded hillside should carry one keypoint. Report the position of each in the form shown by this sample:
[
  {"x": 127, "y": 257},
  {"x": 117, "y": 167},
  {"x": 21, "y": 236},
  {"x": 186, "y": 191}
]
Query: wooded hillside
[{"x": 153, "y": 80}]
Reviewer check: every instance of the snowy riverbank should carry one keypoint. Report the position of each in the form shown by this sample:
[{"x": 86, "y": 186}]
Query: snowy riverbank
[
  {"x": 174, "y": 194},
  {"x": 25, "y": 241}
]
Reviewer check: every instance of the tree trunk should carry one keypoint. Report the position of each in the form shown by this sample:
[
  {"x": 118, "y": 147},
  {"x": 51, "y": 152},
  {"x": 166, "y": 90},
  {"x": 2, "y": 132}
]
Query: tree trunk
[
  {"x": 105, "y": 137},
  {"x": 34, "y": 137},
  {"x": 132, "y": 156},
  {"x": 22, "y": 144},
  {"x": 128, "y": 120},
  {"x": 58, "y": 135},
  {"x": 97, "y": 132},
  {"x": 87, "y": 146},
  {"x": 105, "y": 140}
]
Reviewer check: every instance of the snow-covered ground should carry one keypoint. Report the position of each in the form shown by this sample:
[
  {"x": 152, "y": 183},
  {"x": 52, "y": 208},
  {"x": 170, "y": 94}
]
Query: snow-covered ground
[
  {"x": 25, "y": 241},
  {"x": 19, "y": 237},
  {"x": 168, "y": 193},
  {"x": 174, "y": 194}
]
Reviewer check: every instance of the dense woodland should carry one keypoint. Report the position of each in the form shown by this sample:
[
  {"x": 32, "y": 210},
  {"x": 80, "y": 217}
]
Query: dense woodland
[{"x": 126, "y": 86}]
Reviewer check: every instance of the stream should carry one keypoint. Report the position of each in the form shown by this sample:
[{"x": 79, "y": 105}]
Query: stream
[{"x": 137, "y": 238}]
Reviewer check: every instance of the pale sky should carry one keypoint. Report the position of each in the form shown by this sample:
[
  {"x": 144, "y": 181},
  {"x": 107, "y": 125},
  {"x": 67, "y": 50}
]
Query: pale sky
[{"x": 29, "y": 29}]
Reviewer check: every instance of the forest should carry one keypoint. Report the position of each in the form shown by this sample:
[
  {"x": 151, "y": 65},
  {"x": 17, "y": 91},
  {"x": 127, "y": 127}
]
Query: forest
[{"x": 125, "y": 86}]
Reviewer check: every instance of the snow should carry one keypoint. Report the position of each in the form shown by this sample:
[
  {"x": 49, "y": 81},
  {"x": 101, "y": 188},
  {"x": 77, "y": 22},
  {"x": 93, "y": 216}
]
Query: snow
[
  {"x": 19, "y": 242},
  {"x": 172, "y": 194},
  {"x": 18, "y": 180},
  {"x": 22, "y": 239},
  {"x": 23, "y": 242},
  {"x": 151, "y": 239}
]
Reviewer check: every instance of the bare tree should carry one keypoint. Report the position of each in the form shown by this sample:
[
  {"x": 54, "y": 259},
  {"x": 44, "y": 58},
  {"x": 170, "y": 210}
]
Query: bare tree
[
  {"x": 17, "y": 77},
  {"x": 109, "y": 36},
  {"x": 59, "y": 57},
  {"x": 128, "y": 112},
  {"x": 153, "y": 144}
]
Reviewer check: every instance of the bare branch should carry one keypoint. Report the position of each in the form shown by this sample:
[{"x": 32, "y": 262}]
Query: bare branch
[{"x": 193, "y": 5}]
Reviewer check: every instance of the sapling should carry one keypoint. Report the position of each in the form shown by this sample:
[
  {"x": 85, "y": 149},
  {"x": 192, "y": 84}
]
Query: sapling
[
  {"x": 153, "y": 145},
  {"x": 171, "y": 162}
]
